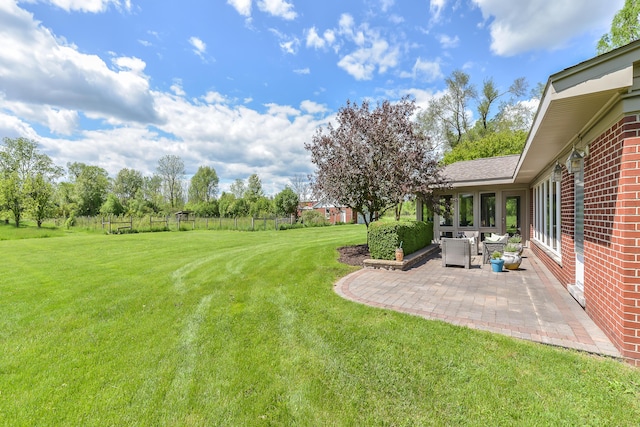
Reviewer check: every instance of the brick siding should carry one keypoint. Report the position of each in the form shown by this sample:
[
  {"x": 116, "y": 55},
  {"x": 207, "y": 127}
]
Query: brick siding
[{"x": 612, "y": 235}]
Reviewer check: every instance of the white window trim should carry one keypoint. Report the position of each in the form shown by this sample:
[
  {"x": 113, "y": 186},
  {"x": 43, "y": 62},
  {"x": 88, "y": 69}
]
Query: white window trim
[{"x": 547, "y": 225}]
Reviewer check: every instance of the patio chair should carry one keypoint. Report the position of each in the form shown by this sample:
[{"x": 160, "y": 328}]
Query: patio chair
[
  {"x": 474, "y": 237},
  {"x": 456, "y": 252},
  {"x": 492, "y": 244}
]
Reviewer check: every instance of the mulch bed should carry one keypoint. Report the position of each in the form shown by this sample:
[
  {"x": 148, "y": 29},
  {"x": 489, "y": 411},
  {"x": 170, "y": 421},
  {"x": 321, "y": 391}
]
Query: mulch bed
[{"x": 353, "y": 255}]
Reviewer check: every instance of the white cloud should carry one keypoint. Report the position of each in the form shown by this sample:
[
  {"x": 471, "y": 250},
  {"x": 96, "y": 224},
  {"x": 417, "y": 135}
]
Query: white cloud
[
  {"x": 436, "y": 7},
  {"x": 448, "y": 42},
  {"x": 215, "y": 98},
  {"x": 314, "y": 40},
  {"x": 372, "y": 51},
  {"x": 38, "y": 68},
  {"x": 243, "y": 7},
  {"x": 92, "y": 6},
  {"x": 279, "y": 8},
  {"x": 385, "y": 5},
  {"x": 302, "y": 71},
  {"x": 133, "y": 64},
  {"x": 199, "y": 47},
  {"x": 396, "y": 19},
  {"x": 177, "y": 89},
  {"x": 539, "y": 24},
  {"x": 313, "y": 107},
  {"x": 425, "y": 70},
  {"x": 59, "y": 121}
]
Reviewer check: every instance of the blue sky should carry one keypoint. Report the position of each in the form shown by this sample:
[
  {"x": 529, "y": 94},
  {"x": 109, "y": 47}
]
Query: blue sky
[{"x": 241, "y": 85}]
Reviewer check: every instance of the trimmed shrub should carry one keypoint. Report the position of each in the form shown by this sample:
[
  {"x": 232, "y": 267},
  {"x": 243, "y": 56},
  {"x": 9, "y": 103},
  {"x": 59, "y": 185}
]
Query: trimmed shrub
[
  {"x": 385, "y": 237},
  {"x": 313, "y": 219}
]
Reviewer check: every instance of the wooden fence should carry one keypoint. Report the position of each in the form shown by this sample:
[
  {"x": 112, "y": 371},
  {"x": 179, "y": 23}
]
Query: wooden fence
[{"x": 123, "y": 224}]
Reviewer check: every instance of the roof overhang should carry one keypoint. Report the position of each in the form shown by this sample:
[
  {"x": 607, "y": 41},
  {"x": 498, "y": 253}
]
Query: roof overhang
[{"x": 573, "y": 100}]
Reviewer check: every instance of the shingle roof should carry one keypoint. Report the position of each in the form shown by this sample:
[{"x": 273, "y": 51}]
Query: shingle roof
[{"x": 488, "y": 169}]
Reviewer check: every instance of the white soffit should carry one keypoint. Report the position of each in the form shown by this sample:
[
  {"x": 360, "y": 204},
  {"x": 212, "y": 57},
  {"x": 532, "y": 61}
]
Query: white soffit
[{"x": 572, "y": 98}]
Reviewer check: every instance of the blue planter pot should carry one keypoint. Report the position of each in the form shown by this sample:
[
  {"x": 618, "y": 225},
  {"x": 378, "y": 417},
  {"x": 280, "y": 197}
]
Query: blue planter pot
[{"x": 496, "y": 265}]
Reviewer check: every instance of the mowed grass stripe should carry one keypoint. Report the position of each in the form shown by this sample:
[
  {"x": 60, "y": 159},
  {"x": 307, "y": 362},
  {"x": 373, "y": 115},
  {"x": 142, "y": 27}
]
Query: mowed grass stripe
[{"x": 240, "y": 328}]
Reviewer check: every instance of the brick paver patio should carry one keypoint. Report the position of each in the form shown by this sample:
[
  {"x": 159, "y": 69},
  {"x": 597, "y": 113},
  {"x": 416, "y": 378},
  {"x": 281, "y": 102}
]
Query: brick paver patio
[{"x": 528, "y": 303}]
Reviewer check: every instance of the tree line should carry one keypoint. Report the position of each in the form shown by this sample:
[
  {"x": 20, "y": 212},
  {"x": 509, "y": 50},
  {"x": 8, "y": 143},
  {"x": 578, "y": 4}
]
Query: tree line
[{"x": 31, "y": 185}]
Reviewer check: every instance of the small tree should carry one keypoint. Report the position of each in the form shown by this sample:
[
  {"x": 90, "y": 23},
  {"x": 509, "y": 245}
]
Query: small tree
[
  {"x": 21, "y": 162},
  {"x": 625, "y": 28},
  {"x": 40, "y": 194},
  {"x": 286, "y": 202},
  {"x": 171, "y": 169},
  {"x": 374, "y": 158}
]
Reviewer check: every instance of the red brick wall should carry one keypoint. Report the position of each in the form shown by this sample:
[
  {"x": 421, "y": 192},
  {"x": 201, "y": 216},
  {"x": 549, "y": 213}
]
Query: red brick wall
[
  {"x": 612, "y": 235},
  {"x": 602, "y": 282}
]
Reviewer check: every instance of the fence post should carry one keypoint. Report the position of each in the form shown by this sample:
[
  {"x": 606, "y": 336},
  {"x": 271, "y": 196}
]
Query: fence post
[{"x": 252, "y": 222}]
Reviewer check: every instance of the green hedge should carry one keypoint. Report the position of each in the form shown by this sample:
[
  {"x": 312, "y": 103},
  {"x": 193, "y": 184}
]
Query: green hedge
[{"x": 385, "y": 237}]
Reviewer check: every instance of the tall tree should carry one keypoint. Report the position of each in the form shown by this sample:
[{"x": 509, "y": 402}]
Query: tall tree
[
  {"x": 40, "y": 192},
  {"x": 238, "y": 188},
  {"x": 127, "y": 184},
  {"x": 447, "y": 118},
  {"x": 625, "y": 28},
  {"x": 91, "y": 186},
  {"x": 300, "y": 185},
  {"x": 204, "y": 185},
  {"x": 254, "y": 189},
  {"x": 19, "y": 162},
  {"x": 490, "y": 94},
  {"x": 373, "y": 158},
  {"x": 171, "y": 169}
]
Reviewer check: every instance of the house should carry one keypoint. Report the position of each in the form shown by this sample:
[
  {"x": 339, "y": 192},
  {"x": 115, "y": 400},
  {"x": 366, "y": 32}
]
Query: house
[
  {"x": 574, "y": 192},
  {"x": 331, "y": 211}
]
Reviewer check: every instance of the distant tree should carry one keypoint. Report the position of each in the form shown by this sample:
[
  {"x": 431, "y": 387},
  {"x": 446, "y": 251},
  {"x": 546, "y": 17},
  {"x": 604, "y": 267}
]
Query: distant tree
[
  {"x": 205, "y": 209},
  {"x": 374, "y": 158},
  {"x": 112, "y": 206},
  {"x": 40, "y": 196},
  {"x": 238, "y": 188},
  {"x": 238, "y": 208},
  {"x": 625, "y": 28},
  {"x": 447, "y": 118},
  {"x": 300, "y": 185},
  {"x": 12, "y": 196},
  {"x": 21, "y": 162},
  {"x": 171, "y": 169},
  {"x": 204, "y": 185},
  {"x": 225, "y": 203},
  {"x": 492, "y": 145},
  {"x": 65, "y": 199},
  {"x": 91, "y": 186},
  {"x": 263, "y": 206},
  {"x": 254, "y": 189},
  {"x": 151, "y": 194},
  {"x": 286, "y": 202},
  {"x": 490, "y": 94},
  {"x": 127, "y": 184}
]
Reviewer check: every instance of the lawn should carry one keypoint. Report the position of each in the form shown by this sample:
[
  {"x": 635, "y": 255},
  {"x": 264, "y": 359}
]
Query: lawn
[{"x": 243, "y": 328}]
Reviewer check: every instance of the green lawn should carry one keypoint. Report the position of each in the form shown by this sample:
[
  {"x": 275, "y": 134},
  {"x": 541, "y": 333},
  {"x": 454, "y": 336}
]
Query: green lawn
[{"x": 243, "y": 328}]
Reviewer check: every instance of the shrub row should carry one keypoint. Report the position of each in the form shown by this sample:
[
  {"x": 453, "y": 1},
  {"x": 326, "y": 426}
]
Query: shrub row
[{"x": 385, "y": 237}]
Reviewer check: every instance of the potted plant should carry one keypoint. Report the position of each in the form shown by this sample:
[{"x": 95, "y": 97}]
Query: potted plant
[
  {"x": 399, "y": 253},
  {"x": 517, "y": 241},
  {"x": 511, "y": 257},
  {"x": 496, "y": 262}
]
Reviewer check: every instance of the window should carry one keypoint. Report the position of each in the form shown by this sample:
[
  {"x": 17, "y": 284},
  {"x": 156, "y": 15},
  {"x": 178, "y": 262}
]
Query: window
[
  {"x": 547, "y": 215},
  {"x": 488, "y": 210},
  {"x": 465, "y": 210},
  {"x": 446, "y": 210}
]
